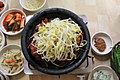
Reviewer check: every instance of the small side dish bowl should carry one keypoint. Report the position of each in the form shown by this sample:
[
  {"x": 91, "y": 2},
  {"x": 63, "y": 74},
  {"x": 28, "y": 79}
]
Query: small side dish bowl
[
  {"x": 32, "y": 5},
  {"x": 13, "y": 50},
  {"x": 3, "y": 5},
  {"x": 2, "y": 40},
  {"x": 103, "y": 69},
  {"x": 12, "y": 21},
  {"x": 108, "y": 42}
]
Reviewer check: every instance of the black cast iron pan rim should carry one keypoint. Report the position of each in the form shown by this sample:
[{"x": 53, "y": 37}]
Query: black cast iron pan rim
[{"x": 49, "y": 71}]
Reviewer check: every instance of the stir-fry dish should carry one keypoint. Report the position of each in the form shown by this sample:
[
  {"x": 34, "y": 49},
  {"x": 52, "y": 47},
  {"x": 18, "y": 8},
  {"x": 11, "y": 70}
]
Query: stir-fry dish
[
  {"x": 14, "y": 22},
  {"x": 102, "y": 75},
  {"x": 57, "y": 40},
  {"x": 13, "y": 61}
]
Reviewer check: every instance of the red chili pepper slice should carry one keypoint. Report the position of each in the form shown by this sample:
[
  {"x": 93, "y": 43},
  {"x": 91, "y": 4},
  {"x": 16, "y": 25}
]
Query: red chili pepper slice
[{"x": 9, "y": 61}]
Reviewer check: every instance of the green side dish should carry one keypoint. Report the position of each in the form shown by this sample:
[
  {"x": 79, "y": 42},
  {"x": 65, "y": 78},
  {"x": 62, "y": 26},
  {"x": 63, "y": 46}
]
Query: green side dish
[{"x": 116, "y": 58}]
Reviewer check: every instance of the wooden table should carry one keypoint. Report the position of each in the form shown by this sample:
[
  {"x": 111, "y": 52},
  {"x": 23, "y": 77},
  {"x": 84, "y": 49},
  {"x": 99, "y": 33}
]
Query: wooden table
[{"x": 103, "y": 15}]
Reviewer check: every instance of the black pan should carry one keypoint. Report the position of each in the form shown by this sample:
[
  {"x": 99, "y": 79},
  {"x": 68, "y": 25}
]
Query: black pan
[{"x": 47, "y": 67}]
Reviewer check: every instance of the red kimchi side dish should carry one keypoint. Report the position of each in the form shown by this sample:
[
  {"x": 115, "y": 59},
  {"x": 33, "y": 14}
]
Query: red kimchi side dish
[{"x": 14, "y": 22}]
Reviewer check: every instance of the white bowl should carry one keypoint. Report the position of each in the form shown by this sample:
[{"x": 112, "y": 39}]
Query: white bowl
[
  {"x": 3, "y": 40},
  {"x": 108, "y": 40},
  {"x": 3, "y": 17},
  {"x": 103, "y": 67},
  {"x": 5, "y": 6},
  {"x": 23, "y": 4},
  {"x": 3, "y": 50}
]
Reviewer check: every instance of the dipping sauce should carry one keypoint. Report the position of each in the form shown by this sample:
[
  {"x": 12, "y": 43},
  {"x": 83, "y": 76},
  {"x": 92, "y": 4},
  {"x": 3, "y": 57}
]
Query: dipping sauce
[
  {"x": 1, "y": 6},
  {"x": 33, "y": 4},
  {"x": 100, "y": 44}
]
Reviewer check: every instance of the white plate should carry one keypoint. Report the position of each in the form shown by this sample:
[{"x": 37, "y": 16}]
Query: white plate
[
  {"x": 103, "y": 67},
  {"x": 3, "y": 50}
]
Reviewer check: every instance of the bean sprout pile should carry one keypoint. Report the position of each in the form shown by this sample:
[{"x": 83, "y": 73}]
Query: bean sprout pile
[{"x": 58, "y": 40}]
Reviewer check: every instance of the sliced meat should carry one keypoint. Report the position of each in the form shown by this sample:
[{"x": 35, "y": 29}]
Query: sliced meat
[
  {"x": 45, "y": 20},
  {"x": 100, "y": 44},
  {"x": 37, "y": 57},
  {"x": 32, "y": 48}
]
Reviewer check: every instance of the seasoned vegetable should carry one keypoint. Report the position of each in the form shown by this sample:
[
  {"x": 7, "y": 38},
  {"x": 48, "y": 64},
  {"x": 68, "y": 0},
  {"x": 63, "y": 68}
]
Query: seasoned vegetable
[
  {"x": 13, "y": 61},
  {"x": 9, "y": 17},
  {"x": 116, "y": 58},
  {"x": 33, "y": 4},
  {"x": 22, "y": 22},
  {"x": 9, "y": 61},
  {"x": 18, "y": 17},
  {"x": 14, "y": 21},
  {"x": 102, "y": 75}
]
